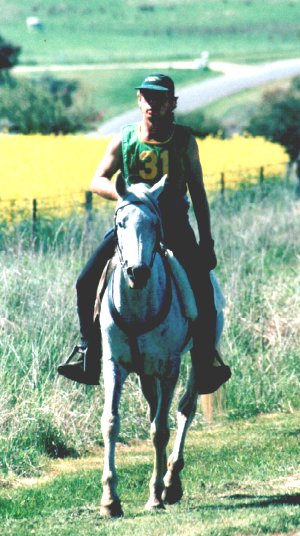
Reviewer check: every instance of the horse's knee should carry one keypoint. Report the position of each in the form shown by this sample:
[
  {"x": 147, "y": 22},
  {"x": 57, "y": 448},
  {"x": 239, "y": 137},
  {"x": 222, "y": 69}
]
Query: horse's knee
[
  {"x": 160, "y": 435},
  {"x": 110, "y": 425}
]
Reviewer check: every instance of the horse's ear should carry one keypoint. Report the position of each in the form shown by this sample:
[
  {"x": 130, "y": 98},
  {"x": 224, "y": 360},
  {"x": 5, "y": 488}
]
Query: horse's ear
[
  {"x": 158, "y": 188},
  {"x": 121, "y": 185}
]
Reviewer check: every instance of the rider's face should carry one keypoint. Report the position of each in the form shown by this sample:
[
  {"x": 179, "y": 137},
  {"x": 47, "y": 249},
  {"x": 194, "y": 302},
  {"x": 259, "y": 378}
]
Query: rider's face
[{"x": 155, "y": 104}]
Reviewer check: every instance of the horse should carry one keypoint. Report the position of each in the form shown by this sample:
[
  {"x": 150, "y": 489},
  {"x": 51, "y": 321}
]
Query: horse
[{"x": 144, "y": 331}]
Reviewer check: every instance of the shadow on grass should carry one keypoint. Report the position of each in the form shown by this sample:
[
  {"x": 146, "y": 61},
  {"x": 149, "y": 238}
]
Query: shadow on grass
[{"x": 256, "y": 501}]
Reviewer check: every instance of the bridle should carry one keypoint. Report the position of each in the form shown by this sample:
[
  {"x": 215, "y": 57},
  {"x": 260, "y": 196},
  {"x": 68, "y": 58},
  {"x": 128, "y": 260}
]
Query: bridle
[
  {"x": 133, "y": 331},
  {"x": 143, "y": 199}
]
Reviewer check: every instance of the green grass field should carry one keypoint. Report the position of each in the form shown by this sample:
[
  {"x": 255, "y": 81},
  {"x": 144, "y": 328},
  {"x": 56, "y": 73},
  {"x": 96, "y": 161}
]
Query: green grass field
[
  {"x": 139, "y": 30},
  {"x": 239, "y": 479}
]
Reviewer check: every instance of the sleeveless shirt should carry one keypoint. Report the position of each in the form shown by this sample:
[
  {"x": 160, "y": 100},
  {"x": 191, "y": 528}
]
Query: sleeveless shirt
[{"x": 147, "y": 162}]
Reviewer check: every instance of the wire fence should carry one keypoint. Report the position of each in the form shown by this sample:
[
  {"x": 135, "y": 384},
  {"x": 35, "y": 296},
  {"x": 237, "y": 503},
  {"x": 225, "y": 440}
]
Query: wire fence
[{"x": 83, "y": 201}]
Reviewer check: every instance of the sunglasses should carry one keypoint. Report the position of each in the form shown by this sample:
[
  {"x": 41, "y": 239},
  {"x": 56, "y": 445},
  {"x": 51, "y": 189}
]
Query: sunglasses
[{"x": 155, "y": 96}]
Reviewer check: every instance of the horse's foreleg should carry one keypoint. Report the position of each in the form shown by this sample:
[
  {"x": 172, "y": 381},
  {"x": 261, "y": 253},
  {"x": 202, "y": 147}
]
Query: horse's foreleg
[
  {"x": 160, "y": 434},
  {"x": 185, "y": 414},
  {"x": 114, "y": 378}
]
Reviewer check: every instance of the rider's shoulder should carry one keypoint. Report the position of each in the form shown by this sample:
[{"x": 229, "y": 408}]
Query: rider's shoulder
[
  {"x": 183, "y": 134},
  {"x": 115, "y": 142}
]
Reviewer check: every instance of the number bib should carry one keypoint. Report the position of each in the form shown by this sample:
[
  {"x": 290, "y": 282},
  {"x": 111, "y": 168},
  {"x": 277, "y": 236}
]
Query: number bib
[{"x": 148, "y": 162}]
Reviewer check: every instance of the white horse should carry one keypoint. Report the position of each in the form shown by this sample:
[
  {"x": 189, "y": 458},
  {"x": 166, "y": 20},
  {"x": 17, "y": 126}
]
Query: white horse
[{"x": 144, "y": 330}]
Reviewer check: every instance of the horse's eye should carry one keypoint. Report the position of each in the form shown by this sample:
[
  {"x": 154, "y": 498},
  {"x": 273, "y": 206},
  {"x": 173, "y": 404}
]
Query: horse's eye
[{"x": 121, "y": 224}]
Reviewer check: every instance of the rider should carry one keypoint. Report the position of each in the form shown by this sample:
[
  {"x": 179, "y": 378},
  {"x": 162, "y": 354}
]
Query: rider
[{"x": 144, "y": 152}]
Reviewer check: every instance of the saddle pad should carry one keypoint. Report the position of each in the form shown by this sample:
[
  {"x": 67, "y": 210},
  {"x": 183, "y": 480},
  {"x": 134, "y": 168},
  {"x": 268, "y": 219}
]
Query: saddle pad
[
  {"x": 108, "y": 269},
  {"x": 185, "y": 293}
]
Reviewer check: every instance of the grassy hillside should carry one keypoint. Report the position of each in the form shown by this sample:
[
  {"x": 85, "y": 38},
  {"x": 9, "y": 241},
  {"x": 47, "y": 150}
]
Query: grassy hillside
[
  {"x": 257, "y": 242},
  {"x": 138, "y": 30}
]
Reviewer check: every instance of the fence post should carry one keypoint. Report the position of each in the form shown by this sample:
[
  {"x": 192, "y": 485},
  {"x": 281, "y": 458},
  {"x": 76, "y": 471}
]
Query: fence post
[
  {"x": 34, "y": 220},
  {"x": 88, "y": 205},
  {"x": 222, "y": 187},
  {"x": 262, "y": 181}
]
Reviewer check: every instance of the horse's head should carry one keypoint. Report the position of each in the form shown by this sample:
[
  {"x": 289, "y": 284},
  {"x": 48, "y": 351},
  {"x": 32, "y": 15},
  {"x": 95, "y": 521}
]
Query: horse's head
[{"x": 138, "y": 229}]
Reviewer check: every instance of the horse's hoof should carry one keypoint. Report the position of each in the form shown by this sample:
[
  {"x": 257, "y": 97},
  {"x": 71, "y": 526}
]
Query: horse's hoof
[
  {"x": 172, "y": 494},
  {"x": 111, "y": 510},
  {"x": 154, "y": 505}
]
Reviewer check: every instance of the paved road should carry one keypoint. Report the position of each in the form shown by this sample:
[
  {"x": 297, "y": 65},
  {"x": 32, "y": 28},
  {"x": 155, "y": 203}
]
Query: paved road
[{"x": 235, "y": 78}]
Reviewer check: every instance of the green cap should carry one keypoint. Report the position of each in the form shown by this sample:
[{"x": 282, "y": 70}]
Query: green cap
[{"x": 158, "y": 82}]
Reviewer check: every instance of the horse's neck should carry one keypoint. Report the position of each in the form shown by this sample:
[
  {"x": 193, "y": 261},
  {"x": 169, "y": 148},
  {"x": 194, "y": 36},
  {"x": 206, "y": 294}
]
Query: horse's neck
[{"x": 141, "y": 304}]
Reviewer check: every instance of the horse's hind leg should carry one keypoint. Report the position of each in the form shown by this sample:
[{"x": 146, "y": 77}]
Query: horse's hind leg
[
  {"x": 185, "y": 414},
  {"x": 114, "y": 377},
  {"x": 159, "y": 396}
]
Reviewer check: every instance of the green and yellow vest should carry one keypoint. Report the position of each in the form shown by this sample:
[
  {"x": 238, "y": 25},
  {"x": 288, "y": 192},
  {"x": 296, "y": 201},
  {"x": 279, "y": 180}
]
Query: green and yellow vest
[{"x": 147, "y": 162}]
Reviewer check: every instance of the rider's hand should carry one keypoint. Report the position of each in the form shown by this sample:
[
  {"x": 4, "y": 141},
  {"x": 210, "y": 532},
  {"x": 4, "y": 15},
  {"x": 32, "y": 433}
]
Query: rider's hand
[{"x": 208, "y": 257}]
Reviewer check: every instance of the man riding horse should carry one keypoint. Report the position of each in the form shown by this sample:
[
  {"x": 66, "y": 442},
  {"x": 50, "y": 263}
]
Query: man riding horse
[{"x": 144, "y": 153}]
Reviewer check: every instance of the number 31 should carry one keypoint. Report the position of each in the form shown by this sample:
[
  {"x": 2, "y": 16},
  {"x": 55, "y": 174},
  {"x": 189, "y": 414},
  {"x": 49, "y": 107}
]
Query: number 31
[{"x": 151, "y": 161}]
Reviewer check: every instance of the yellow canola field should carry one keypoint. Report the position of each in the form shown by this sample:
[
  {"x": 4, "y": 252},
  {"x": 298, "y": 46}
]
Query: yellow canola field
[
  {"x": 57, "y": 170},
  {"x": 240, "y": 158}
]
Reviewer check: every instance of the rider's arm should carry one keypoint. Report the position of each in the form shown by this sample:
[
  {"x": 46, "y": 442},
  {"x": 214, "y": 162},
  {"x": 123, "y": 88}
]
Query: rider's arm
[
  {"x": 101, "y": 183},
  {"x": 197, "y": 192}
]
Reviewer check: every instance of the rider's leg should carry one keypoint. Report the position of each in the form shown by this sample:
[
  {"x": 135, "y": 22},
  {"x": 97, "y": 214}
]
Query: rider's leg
[
  {"x": 204, "y": 354},
  {"x": 86, "y": 367},
  {"x": 87, "y": 284}
]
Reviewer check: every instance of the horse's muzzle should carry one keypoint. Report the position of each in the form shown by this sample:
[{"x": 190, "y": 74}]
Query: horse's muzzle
[{"x": 138, "y": 276}]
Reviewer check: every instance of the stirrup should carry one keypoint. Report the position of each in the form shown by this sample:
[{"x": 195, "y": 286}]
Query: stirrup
[
  {"x": 77, "y": 370},
  {"x": 78, "y": 349}
]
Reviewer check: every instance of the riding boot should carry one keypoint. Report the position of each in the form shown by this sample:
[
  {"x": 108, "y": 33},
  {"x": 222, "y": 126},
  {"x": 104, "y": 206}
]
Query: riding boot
[
  {"x": 210, "y": 376},
  {"x": 84, "y": 363},
  {"x": 210, "y": 370},
  {"x": 86, "y": 367}
]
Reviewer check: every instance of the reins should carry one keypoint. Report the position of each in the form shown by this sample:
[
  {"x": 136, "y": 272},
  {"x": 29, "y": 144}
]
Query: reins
[{"x": 140, "y": 328}]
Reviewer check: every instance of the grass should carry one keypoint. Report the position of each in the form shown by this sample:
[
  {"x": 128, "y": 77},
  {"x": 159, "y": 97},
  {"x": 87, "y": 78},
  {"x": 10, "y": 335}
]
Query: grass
[
  {"x": 138, "y": 30},
  {"x": 238, "y": 479},
  {"x": 44, "y": 416}
]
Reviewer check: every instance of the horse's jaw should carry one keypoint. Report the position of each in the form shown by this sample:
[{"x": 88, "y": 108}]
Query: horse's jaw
[
  {"x": 136, "y": 285},
  {"x": 137, "y": 277}
]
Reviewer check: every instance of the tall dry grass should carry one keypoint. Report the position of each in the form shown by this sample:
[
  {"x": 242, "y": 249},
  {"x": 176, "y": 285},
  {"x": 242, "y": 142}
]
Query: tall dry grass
[{"x": 41, "y": 414}]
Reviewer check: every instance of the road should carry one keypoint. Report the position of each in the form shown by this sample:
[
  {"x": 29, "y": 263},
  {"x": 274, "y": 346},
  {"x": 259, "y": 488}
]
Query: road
[{"x": 235, "y": 78}]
